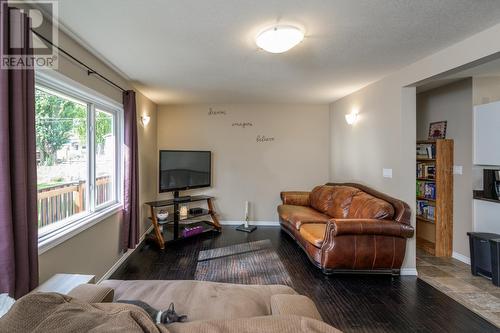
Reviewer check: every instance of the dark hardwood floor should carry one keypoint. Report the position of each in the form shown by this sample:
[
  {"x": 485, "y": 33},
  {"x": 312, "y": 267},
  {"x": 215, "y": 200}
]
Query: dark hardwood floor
[{"x": 351, "y": 303}]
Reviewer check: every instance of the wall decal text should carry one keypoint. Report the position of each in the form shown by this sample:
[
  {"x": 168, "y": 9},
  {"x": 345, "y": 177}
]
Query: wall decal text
[
  {"x": 212, "y": 112},
  {"x": 243, "y": 125},
  {"x": 263, "y": 138}
]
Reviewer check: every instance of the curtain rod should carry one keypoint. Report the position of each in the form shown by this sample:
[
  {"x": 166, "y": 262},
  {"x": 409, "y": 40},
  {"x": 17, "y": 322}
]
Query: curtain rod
[{"x": 90, "y": 71}]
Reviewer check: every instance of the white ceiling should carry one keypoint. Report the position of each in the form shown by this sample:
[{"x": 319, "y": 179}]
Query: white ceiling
[{"x": 203, "y": 51}]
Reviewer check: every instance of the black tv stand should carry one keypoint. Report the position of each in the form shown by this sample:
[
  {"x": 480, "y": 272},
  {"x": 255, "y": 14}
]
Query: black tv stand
[
  {"x": 175, "y": 217},
  {"x": 177, "y": 198}
]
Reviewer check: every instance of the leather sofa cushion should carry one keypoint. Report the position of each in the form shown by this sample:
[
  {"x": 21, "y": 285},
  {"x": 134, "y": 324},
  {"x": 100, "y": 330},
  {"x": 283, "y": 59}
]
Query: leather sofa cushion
[
  {"x": 298, "y": 215},
  {"x": 298, "y": 198},
  {"x": 343, "y": 202},
  {"x": 314, "y": 233},
  {"x": 366, "y": 206},
  {"x": 321, "y": 198},
  {"x": 333, "y": 200}
]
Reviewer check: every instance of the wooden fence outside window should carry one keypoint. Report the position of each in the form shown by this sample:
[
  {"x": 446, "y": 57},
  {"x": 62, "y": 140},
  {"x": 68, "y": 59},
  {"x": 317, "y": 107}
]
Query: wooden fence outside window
[{"x": 58, "y": 202}]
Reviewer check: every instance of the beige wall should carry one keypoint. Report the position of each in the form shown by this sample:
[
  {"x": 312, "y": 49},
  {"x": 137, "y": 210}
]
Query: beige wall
[
  {"x": 148, "y": 157},
  {"x": 96, "y": 250},
  {"x": 486, "y": 89},
  {"x": 453, "y": 103},
  {"x": 360, "y": 152},
  {"x": 388, "y": 108},
  {"x": 244, "y": 169},
  {"x": 92, "y": 251}
]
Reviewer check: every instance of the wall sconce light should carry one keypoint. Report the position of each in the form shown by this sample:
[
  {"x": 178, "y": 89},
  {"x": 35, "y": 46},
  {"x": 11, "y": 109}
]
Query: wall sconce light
[
  {"x": 145, "y": 120},
  {"x": 352, "y": 117}
]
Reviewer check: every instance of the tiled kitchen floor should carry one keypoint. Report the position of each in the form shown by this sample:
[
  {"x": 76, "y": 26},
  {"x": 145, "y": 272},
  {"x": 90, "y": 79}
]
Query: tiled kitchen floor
[{"x": 454, "y": 278}]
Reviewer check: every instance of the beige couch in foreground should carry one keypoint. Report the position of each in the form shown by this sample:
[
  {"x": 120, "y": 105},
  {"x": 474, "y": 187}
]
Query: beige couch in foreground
[
  {"x": 201, "y": 300},
  {"x": 211, "y": 308}
]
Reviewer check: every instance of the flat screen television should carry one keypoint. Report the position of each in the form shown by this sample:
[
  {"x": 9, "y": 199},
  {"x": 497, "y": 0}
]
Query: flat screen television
[{"x": 183, "y": 170}]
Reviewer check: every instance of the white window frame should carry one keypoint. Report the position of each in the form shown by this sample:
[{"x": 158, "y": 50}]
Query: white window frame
[{"x": 54, "y": 81}]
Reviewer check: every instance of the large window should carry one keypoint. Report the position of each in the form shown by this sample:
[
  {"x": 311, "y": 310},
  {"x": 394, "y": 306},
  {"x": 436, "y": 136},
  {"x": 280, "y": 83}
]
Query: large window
[
  {"x": 78, "y": 156},
  {"x": 105, "y": 162}
]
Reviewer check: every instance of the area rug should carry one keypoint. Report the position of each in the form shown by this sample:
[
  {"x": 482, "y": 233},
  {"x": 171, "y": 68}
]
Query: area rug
[{"x": 246, "y": 263}]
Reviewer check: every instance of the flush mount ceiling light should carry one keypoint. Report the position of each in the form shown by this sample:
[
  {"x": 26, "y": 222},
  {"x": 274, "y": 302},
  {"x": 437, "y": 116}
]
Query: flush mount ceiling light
[{"x": 280, "y": 38}]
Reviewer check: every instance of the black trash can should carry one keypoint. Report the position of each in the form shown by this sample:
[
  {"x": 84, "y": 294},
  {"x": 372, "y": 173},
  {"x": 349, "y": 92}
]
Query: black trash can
[
  {"x": 495, "y": 258},
  {"x": 484, "y": 255}
]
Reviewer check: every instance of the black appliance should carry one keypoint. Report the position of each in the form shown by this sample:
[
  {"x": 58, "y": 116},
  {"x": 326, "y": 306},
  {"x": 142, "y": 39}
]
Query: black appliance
[
  {"x": 484, "y": 255},
  {"x": 184, "y": 170},
  {"x": 195, "y": 210},
  {"x": 491, "y": 184}
]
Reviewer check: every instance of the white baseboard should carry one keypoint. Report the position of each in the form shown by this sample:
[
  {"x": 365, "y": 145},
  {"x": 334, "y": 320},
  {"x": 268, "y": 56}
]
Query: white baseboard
[
  {"x": 257, "y": 223},
  {"x": 123, "y": 257},
  {"x": 408, "y": 271},
  {"x": 461, "y": 257}
]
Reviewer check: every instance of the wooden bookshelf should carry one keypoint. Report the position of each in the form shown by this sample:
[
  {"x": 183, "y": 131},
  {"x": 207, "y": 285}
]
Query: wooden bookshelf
[
  {"x": 435, "y": 233},
  {"x": 425, "y": 199},
  {"x": 426, "y": 245},
  {"x": 424, "y": 219}
]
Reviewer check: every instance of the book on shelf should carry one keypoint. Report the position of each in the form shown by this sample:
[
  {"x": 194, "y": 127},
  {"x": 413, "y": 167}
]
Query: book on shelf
[
  {"x": 426, "y": 210},
  {"x": 426, "y": 150},
  {"x": 426, "y": 170},
  {"x": 426, "y": 189}
]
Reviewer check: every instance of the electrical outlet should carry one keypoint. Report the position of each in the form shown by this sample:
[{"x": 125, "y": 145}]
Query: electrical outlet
[
  {"x": 457, "y": 170},
  {"x": 387, "y": 173}
]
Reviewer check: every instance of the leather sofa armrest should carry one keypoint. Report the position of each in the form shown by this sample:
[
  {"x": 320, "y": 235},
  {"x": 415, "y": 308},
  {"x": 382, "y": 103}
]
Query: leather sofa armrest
[
  {"x": 297, "y": 198},
  {"x": 92, "y": 293},
  {"x": 337, "y": 227},
  {"x": 283, "y": 304}
]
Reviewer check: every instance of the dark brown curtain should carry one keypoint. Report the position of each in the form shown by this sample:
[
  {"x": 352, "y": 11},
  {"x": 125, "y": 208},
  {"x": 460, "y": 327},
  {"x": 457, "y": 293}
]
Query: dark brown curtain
[
  {"x": 18, "y": 193},
  {"x": 130, "y": 228}
]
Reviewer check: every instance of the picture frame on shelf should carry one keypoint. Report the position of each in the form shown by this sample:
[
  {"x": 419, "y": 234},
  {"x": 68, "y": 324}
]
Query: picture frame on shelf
[{"x": 437, "y": 130}]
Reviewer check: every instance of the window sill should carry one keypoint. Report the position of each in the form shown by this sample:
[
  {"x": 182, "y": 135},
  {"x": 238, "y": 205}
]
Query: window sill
[{"x": 77, "y": 227}]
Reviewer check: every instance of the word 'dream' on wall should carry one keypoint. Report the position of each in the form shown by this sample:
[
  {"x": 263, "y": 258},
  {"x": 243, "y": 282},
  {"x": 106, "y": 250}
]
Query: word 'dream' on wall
[{"x": 212, "y": 112}]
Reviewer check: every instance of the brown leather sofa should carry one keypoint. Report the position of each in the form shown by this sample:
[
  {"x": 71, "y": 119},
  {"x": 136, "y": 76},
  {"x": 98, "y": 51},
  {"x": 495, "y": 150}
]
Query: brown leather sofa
[{"x": 348, "y": 227}]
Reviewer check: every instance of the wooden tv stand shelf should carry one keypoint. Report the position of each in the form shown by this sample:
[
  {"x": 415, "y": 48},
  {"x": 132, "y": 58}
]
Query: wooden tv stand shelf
[{"x": 176, "y": 220}]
